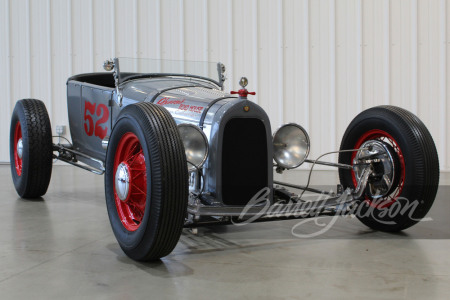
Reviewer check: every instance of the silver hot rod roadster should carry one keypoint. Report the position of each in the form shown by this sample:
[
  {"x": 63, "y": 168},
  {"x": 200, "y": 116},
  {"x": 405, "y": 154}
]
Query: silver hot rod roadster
[{"x": 177, "y": 151}]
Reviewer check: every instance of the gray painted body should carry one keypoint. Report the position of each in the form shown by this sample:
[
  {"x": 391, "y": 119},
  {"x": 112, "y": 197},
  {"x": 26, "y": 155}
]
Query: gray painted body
[{"x": 186, "y": 105}]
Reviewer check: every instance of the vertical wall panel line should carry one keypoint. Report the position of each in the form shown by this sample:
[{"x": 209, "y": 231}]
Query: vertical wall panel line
[
  {"x": 230, "y": 43},
  {"x": 429, "y": 46},
  {"x": 158, "y": 29},
  {"x": 414, "y": 56},
  {"x": 255, "y": 42},
  {"x": 158, "y": 32},
  {"x": 181, "y": 28},
  {"x": 8, "y": 57},
  {"x": 306, "y": 62},
  {"x": 69, "y": 37},
  {"x": 28, "y": 46},
  {"x": 443, "y": 82},
  {"x": 136, "y": 29},
  {"x": 386, "y": 50},
  {"x": 332, "y": 50},
  {"x": 91, "y": 34},
  {"x": 359, "y": 56},
  {"x": 205, "y": 30},
  {"x": 280, "y": 88},
  {"x": 49, "y": 58},
  {"x": 113, "y": 28},
  {"x": 136, "y": 35}
]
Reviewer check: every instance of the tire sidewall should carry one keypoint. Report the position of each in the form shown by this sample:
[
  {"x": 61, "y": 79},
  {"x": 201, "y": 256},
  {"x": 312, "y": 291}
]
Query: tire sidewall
[
  {"x": 128, "y": 240},
  {"x": 20, "y": 182}
]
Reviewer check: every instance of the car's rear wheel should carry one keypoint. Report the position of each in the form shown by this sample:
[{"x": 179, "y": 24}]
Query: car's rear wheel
[
  {"x": 404, "y": 184},
  {"x": 30, "y": 147},
  {"x": 146, "y": 182}
]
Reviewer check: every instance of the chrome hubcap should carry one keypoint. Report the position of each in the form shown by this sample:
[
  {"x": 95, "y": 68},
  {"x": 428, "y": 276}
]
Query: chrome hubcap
[
  {"x": 20, "y": 148},
  {"x": 382, "y": 178},
  {"x": 122, "y": 181}
]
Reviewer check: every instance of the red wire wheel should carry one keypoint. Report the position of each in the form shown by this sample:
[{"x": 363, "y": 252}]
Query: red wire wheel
[
  {"x": 130, "y": 183},
  {"x": 383, "y": 136},
  {"x": 415, "y": 176},
  {"x": 18, "y": 148}
]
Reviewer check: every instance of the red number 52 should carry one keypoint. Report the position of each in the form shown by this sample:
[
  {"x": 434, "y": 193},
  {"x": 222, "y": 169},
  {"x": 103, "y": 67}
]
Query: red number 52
[{"x": 102, "y": 113}]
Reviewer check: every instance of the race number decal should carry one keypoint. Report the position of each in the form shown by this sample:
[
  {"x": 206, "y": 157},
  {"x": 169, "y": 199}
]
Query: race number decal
[{"x": 101, "y": 114}]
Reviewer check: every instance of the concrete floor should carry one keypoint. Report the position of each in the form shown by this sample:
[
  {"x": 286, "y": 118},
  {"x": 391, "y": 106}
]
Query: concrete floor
[{"x": 62, "y": 247}]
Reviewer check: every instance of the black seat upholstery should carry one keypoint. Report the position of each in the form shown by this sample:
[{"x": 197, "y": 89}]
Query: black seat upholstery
[{"x": 103, "y": 79}]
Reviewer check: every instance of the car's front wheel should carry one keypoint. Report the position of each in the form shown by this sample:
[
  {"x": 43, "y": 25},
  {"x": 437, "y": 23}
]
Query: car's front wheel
[
  {"x": 146, "y": 182},
  {"x": 403, "y": 184}
]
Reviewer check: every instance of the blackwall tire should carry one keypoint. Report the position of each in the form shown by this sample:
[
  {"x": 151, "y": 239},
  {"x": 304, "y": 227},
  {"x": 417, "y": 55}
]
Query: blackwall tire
[
  {"x": 147, "y": 198},
  {"x": 30, "y": 148},
  {"x": 418, "y": 179}
]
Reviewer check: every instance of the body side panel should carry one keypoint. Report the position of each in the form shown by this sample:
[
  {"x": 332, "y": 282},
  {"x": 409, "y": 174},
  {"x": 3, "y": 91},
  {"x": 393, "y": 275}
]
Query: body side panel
[{"x": 89, "y": 117}]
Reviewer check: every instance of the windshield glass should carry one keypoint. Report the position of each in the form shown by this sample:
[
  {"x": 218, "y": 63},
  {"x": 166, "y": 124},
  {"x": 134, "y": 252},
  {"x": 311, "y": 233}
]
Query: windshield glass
[{"x": 147, "y": 66}]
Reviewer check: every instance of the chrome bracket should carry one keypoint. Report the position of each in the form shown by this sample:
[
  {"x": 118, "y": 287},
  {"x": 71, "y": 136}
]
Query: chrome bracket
[
  {"x": 117, "y": 81},
  {"x": 113, "y": 65},
  {"x": 357, "y": 194},
  {"x": 221, "y": 71}
]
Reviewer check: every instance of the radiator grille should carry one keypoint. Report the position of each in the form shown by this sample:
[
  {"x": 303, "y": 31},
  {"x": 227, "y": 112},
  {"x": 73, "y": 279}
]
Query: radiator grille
[{"x": 244, "y": 160}]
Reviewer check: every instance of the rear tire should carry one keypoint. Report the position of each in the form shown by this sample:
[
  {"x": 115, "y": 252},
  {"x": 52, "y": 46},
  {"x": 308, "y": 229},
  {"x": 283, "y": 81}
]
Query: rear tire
[
  {"x": 146, "y": 182},
  {"x": 30, "y": 148},
  {"x": 417, "y": 178}
]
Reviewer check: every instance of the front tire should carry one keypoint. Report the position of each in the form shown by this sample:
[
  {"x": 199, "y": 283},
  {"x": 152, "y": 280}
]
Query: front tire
[
  {"x": 416, "y": 163},
  {"x": 30, "y": 148},
  {"x": 146, "y": 182}
]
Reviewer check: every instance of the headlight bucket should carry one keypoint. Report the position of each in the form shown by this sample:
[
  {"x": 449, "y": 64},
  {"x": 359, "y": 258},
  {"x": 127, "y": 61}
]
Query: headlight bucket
[
  {"x": 195, "y": 145},
  {"x": 290, "y": 146}
]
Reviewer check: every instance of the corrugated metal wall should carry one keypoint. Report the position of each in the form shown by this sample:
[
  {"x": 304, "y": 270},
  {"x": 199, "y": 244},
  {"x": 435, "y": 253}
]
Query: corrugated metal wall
[{"x": 315, "y": 62}]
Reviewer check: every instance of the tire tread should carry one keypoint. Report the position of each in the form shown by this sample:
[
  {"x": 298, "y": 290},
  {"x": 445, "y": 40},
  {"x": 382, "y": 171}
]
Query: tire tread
[{"x": 36, "y": 130}]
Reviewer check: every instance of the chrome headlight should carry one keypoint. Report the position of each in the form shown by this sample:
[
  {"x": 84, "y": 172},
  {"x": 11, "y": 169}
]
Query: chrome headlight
[
  {"x": 290, "y": 146},
  {"x": 195, "y": 145}
]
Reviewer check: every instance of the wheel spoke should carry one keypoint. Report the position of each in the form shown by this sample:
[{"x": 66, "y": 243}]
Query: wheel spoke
[
  {"x": 139, "y": 202},
  {"x": 131, "y": 159},
  {"x": 137, "y": 174},
  {"x": 131, "y": 150},
  {"x": 17, "y": 139},
  {"x": 138, "y": 189},
  {"x": 136, "y": 212}
]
